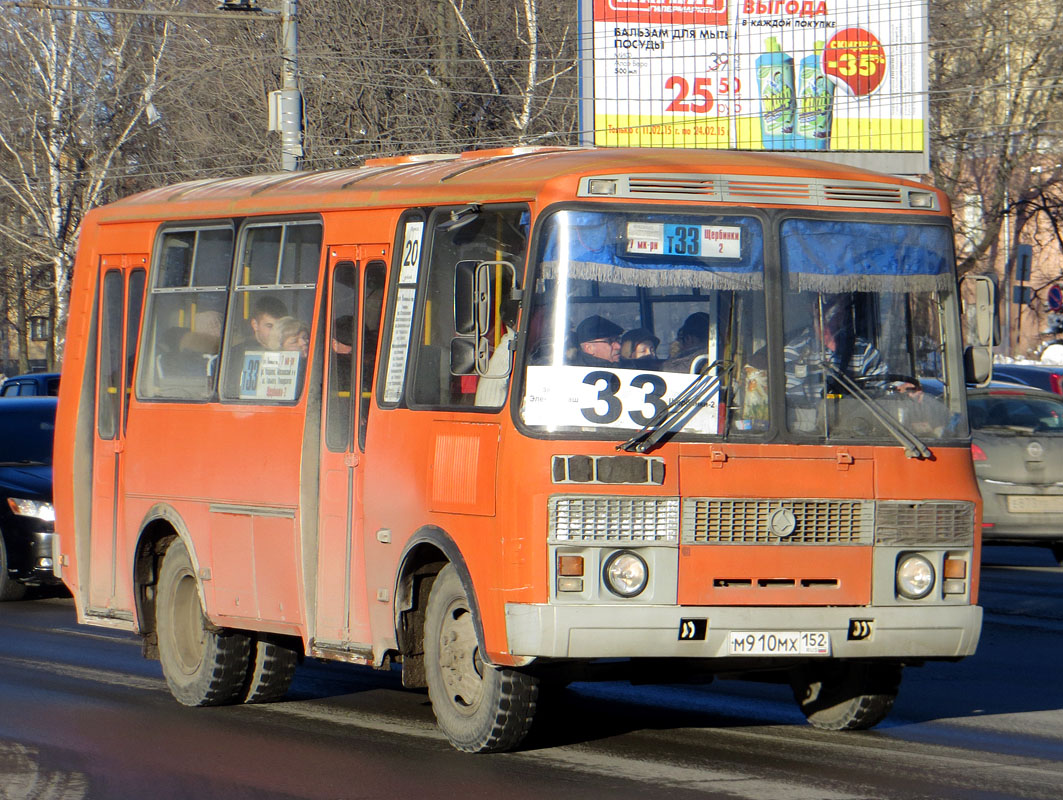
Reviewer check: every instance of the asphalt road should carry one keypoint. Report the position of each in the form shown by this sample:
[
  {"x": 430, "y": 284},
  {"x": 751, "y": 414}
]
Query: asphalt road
[{"x": 83, "y": 716}]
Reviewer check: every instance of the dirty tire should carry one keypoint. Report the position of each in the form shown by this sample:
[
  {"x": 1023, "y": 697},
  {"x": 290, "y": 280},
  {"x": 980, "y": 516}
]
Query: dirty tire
[
  {"x": 846, "y": 696},
  {"x": 480, "y": 708},
  {"x": 203, "y": 665},
  {"x": 10, "y": 589},
  {"x": 271, "y": 668}
]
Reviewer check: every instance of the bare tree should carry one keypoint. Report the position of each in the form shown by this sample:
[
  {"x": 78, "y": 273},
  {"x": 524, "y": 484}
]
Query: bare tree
[
  {"x": 74, "y": 88},
  {"x": 995, "y": 98}
]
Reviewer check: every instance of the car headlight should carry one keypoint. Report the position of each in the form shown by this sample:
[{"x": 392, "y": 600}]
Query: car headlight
[
  {"x": 915, "y": 577},
  {"x": 32, "y": 508},
  {"x": 625, "y": 573}
]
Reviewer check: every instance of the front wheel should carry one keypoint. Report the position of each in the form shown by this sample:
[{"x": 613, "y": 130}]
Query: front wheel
[
  {"x": 203, "y": 665},
  {"x": 846, "y": 696},
  {"x": 480, "y": 708}
]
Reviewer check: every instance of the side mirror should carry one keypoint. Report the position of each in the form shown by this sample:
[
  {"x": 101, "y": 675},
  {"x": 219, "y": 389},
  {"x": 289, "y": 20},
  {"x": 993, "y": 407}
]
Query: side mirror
[
  {"x": 465, "y": 275},
  {"x": 981, "y": 322},
  {"x": 484, "y": 292}
]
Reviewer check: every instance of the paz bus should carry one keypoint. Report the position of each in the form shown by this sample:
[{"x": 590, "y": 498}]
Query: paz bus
[{"x": 389, "y": 415}]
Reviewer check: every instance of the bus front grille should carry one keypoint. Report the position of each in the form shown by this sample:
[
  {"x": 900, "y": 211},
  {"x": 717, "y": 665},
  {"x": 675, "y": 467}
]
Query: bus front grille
[
  {"x": 768, "y": 521},
  {"x": 602, "y": 518},
  {"x": 917, "y": 523},
  {"x": 712, "y": 520}
]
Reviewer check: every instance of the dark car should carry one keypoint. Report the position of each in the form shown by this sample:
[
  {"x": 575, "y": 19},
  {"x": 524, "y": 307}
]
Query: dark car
[
  {"x": 32, "y": 383},
  {"x": 1041, "y": 376},
  {"x": 27, "y": 519},
  {"x": 1017, "y": 447}
]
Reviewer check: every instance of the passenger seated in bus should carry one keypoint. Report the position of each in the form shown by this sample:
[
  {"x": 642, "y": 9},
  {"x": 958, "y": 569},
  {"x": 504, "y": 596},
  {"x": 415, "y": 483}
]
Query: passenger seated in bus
[
  {"x": 689, "y": 351},
  {"x": 638, "y": 349},
  {"x": 290, "y": 333},
  {"x": 831, "y": 338},
  {"x": 267, "y": 310},
  {"x": 599, "y": 342},
  {"x": 341, "y": 343}
]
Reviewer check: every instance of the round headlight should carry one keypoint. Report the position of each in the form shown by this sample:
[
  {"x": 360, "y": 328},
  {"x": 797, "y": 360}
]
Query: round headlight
[
  {"x": 915, "y": 577},
  {"x": 625, "y": 573}
]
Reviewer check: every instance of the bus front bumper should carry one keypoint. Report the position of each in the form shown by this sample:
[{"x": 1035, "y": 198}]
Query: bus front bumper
[{"x": 615, "y": 631}]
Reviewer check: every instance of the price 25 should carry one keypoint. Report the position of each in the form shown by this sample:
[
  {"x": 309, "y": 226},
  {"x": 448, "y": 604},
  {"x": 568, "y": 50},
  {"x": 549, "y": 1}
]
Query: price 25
[{"x": 697, "y": 98}]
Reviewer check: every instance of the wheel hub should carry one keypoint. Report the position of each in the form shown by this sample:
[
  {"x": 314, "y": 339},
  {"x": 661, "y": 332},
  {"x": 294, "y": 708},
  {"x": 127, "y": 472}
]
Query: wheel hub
[{"x": 459, "y": 659}]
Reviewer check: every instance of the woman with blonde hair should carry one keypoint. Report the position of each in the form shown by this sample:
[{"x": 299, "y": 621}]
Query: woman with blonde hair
[{"x": 290, "y": 333}]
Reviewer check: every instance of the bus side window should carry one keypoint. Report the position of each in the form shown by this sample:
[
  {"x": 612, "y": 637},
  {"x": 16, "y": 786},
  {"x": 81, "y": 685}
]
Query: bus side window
[
  {"x": 372, "y": 308},
  {"x": 268, "y": 328},
  {"x": 488, "y": 241},
  {"x": 185, "y": 309}
]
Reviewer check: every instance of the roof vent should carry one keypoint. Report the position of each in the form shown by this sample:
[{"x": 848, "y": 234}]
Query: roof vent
[{"x": 863, "y": 193}]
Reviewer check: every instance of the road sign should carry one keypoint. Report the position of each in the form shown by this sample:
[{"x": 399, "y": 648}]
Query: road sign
[
  {"x": 1023, "y": 262},
  {"x": 1055, "y": 298}
]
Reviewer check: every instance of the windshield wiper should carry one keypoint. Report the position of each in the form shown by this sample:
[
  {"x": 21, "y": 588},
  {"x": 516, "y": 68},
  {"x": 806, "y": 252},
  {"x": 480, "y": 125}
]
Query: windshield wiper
[
  {"x": 913, "y": 445},
  {"x": 26, "y": 462},
  {"x": 680, "y": 410}
]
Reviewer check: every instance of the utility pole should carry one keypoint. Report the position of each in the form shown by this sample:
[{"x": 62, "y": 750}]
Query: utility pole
[
  {"x": 289, "y": 102},
  {"x": 285, "y": 104}
]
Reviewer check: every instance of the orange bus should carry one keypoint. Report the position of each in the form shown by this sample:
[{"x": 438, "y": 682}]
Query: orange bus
[{"x": 521, "y": 417}]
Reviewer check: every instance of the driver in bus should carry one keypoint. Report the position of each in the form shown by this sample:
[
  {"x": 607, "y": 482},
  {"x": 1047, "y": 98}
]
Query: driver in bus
[
  {"x": 599, "y": 342},
  {"x": 832, "y": 339}
]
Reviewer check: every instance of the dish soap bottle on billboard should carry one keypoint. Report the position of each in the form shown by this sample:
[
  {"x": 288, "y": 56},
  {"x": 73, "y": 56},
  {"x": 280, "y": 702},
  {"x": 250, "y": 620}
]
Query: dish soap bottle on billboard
[
  {"x": 775, "y": 79},
  {"x": 815, "y": 103}
]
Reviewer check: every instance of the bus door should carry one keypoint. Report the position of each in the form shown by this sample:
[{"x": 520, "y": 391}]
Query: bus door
[
  {"x": 356, "y": 282},
  {"x": 121, "y": 299}
]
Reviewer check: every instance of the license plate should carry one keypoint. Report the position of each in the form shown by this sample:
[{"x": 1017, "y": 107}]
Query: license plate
[
  {"x": 778, "y": 643},
  {"x": 1035, "y": 504}
]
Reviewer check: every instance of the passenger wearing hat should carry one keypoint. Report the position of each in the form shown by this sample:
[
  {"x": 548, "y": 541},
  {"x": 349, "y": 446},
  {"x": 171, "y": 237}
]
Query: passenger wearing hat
[
  {"x": 691, "y": 344},
  {"x": 599, "y": 342},
  {"x": 638, "y": 349}
]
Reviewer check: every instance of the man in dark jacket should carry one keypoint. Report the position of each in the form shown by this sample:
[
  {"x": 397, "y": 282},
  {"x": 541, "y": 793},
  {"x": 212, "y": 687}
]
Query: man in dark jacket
[{"x": 599, "y": 342}]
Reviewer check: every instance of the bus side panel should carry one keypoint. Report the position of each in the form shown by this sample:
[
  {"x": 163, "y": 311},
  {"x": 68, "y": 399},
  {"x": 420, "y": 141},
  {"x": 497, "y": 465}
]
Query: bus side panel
[
  {"x": 422, "y": 468},
  {"x": 232, "y": 473}
]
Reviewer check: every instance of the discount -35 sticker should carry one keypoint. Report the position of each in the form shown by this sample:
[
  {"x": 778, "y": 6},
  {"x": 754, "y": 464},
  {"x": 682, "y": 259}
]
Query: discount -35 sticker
[{"x": 855, "y": 57}]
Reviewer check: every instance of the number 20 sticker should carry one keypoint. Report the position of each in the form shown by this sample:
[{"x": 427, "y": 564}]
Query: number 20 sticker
[{"x": 411, "y": 252}]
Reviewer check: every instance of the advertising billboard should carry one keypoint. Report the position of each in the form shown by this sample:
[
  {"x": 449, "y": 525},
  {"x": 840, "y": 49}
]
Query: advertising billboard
[{"x": 840, "y": 79}]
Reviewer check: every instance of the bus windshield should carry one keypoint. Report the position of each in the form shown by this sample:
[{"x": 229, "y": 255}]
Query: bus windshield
[
  {"x": 630, "y": 310},
  {"x": 866, "y": 308}
]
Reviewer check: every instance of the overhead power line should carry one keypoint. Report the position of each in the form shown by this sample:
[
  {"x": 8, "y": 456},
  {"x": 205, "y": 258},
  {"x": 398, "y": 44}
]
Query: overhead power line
[{"x": 247, "y": 14}]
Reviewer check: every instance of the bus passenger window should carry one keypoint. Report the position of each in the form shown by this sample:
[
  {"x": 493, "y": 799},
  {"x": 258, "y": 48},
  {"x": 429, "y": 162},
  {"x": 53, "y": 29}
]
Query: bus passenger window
[
  {"x": 185, "y": 310},
  {"x": 276, "y": 274},
  {"x": 487, "y": 246},
  {"x": 372, "y": 307}
]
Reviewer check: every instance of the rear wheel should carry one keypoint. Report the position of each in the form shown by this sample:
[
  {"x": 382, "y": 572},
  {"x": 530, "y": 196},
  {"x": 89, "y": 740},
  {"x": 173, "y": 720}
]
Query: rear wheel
[
  {"x": 10, "y": 589},
  {"x": 480, "y": 708},
  {"x": 846, "y": 696},
  {"x": 203, "y": 665},
  {"x": 271, "y": 669}
]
